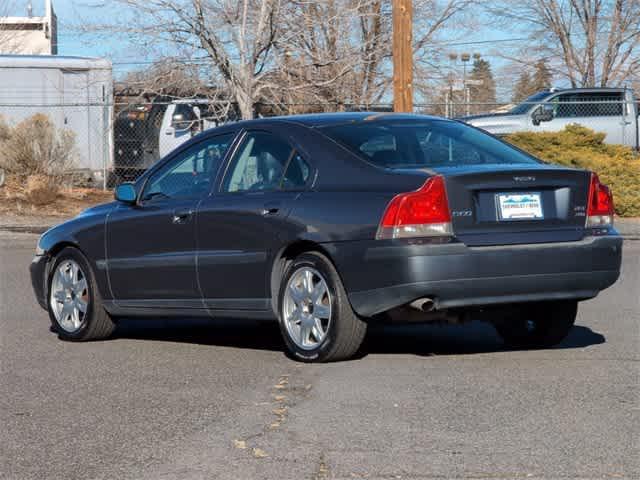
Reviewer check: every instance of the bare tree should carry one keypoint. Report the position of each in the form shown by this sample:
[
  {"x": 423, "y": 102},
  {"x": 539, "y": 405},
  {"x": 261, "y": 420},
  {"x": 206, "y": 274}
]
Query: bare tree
[
  {"x": 589, "y": 42},
  {"x": 339, "y": 51},
  {"x": 166, "y": 77},
  {"x": 235, "y": 37},
  {"x": 329, "y": 52},
  {"x": 333, "y": 54}
]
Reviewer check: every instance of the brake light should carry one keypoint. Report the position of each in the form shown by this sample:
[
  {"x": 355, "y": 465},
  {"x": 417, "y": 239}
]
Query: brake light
[
  {"x": 423, "y": 213},
  {"x": 600, "y": 206}
]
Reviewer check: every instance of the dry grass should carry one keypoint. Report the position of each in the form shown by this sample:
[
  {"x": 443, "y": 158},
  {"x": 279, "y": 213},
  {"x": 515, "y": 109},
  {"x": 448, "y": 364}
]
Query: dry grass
[
  {"x": 36, "y": 147},
  {"x": 40, "y": 190},
  {"x": 15, "y": 202}
]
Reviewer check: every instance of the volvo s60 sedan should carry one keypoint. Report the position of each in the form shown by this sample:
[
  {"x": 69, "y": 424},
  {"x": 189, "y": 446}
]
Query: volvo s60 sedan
[{"x": 327, "y": 223}]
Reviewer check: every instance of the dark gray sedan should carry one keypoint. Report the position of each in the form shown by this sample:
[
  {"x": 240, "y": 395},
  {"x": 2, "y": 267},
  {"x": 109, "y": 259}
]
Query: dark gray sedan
[{"x": 326, "y": 223}]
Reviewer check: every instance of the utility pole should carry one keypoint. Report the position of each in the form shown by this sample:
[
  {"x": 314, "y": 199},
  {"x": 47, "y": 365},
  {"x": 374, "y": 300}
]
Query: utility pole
[
  {"x": 465, "y": 57},
  {"x": 402, "y": 55}
]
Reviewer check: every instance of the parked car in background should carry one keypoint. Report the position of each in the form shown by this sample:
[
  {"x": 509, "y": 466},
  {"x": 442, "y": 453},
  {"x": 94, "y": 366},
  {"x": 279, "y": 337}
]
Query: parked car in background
[
  {"x": 613, "y": 111},
  {"x": 328, "y": 222},
  {"x": 143, "y": 133}
]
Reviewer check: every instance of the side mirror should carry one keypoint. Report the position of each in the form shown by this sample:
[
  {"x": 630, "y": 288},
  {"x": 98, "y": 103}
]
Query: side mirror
[
  {"x": 184, "y": 119},
  {"x": 126, "y": 193},
  {"x": 544, "y": 113},
  {"x": 179, "y": 122}
]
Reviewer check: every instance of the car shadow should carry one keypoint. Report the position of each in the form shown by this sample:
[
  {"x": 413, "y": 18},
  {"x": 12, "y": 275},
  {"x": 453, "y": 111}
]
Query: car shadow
[
  {"x": 422, "y": 340},
  {"x": 470, "y": 338}
]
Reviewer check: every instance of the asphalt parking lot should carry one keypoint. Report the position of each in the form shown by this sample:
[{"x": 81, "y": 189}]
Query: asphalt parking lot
[{"x": 198, "y": 399}]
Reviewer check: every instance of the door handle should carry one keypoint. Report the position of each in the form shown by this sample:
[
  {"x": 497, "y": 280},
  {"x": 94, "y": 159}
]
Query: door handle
[
  {"x": 266, "y": 211},
  {"x": 271, "y": 208},
  {"x": 181, "y": 216}
]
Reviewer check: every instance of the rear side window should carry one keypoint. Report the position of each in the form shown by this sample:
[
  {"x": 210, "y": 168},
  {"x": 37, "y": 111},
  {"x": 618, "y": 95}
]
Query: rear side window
[
  {"x": 588, "y": 104},
  {"x": 265, "y": 162},
  {"x": 297, "y": 174},
  {"x": 424, "y": 144}
]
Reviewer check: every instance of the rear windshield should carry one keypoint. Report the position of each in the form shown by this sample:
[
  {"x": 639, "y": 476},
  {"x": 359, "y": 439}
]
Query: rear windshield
[{"x": 434, "y": 143}]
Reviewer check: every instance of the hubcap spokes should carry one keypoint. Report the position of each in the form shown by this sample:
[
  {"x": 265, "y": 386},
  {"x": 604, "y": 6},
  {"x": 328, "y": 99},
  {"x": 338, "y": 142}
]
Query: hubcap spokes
[
  {"x": 69, "y": 297},
  {"x": 307, "y": 308}
]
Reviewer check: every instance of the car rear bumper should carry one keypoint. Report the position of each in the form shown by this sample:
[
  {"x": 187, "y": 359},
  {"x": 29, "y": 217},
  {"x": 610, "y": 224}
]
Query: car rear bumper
[
  {"x": 38, "y": 270},
  {"x": 380, "y": 275}
]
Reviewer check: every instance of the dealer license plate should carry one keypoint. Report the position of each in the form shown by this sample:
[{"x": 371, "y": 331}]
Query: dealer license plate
[{"x": 519, "y": 206}]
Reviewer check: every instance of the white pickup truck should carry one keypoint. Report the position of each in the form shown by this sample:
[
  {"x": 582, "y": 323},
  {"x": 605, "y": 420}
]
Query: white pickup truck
[
  {"x": 143, "y": 133},
  {"x": 613, "y": 111}
]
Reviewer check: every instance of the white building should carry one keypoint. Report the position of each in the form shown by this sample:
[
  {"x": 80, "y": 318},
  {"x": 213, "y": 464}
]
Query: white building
[
  {"x": 76, "y": 93},
  {"x": 29, "y": 35}
]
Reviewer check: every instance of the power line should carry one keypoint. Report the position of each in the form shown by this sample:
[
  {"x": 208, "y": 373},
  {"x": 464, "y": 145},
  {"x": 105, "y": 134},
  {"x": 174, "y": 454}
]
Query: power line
[{"x": 476, "y": 42}]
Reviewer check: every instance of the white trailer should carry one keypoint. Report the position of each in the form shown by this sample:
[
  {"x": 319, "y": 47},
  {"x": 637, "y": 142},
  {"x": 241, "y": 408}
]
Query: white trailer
[{"x": 75, "y": 92}]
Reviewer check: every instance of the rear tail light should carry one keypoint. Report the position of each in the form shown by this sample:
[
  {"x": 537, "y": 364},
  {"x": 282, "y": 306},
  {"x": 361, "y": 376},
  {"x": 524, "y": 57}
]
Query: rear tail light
[
  {"x": 423, "y": 213},
  {"x": 600, "y": 206}
]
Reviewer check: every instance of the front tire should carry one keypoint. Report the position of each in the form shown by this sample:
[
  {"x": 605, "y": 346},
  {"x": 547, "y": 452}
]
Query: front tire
[
  {"x": 75, "y": 307},
  {"x": 539, "y": 325},
  {"x": 315, "y": 316}
]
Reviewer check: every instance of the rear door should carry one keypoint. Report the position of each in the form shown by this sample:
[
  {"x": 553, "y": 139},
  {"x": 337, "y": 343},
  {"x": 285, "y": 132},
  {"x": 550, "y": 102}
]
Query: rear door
[{"x": 243, "y": 226}]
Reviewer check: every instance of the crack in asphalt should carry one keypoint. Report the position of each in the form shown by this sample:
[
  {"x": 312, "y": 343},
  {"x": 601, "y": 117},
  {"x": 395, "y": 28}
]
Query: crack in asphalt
[{"x": 283, "y": 396}]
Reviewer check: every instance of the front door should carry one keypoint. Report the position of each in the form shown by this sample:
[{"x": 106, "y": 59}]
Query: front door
[
  {"x": 245, "y": 224},
  {"x": 151, "y": 247}
]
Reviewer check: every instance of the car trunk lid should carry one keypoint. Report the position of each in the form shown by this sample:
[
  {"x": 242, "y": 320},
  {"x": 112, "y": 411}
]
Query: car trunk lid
[{"x": 509, "y": 204}]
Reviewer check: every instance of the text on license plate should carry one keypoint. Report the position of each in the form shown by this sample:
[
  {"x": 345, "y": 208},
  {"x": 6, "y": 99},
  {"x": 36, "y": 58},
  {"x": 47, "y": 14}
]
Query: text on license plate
[{"x": 519, "y": 206}]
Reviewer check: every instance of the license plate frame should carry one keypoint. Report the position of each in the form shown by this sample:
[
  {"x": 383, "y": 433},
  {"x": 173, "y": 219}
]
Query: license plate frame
[{"x": 524, "y": 206}]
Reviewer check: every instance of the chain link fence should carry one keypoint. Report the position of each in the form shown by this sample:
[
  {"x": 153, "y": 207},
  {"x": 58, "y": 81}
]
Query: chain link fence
[{"x": 118, "y": 142}]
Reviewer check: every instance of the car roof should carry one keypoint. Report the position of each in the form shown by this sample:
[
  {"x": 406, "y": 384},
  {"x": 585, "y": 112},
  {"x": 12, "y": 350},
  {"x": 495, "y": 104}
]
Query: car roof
[
  {"x": 587, "y": 90},
  {"x": 318, "y": 120}
]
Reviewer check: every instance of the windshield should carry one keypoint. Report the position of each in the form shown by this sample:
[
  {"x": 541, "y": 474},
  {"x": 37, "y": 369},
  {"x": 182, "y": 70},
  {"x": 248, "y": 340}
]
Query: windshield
[
  {"x": 527, "y": 104},
  {"x": 420, "y": 144}
]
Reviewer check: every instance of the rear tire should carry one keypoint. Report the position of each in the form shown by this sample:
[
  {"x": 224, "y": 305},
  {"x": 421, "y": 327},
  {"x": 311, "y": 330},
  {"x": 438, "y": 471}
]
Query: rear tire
[
  {"x": 72, "y": 288},
  {"x": 312, "y": 297},
  {"x": 538, "y": 325}
]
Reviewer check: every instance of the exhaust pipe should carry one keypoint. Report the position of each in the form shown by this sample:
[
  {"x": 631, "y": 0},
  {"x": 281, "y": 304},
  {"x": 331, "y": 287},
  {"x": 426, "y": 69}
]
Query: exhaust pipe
[{"x": 423, "y": 305}]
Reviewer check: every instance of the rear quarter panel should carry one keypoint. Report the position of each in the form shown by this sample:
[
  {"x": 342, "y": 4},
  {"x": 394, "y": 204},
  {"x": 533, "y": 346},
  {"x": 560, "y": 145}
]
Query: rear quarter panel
[{"x": 348, "y": 196}]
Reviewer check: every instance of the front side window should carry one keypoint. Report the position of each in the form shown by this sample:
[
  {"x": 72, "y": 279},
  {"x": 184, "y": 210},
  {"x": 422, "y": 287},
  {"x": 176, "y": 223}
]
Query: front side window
[
  {"x": 190, "y": 174},
  {"x": 529, "y": 103},
  {"x": 259, "y": 164},
  {"x": 424, "y": 144}
]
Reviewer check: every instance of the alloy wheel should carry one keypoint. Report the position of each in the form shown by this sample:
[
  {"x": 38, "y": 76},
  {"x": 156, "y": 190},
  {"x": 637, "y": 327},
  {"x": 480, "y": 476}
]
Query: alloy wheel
[
  {"x": 69, "y": 297},
  {"x": 306, "y": 308}
]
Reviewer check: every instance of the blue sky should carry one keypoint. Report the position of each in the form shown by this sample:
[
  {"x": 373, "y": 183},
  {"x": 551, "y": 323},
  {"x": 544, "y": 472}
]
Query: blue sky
[{"x": 73, "y": 12}]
